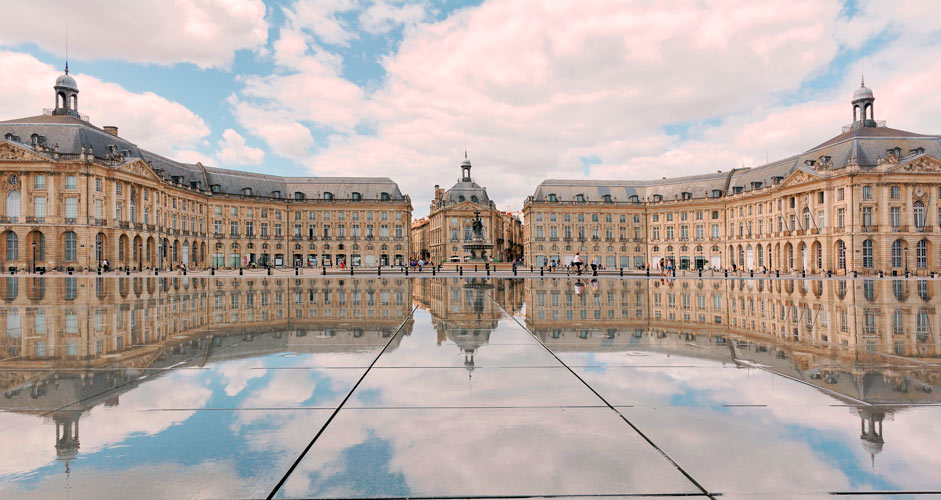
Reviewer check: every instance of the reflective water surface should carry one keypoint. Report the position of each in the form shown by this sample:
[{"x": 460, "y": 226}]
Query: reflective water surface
[{"x": 463, "y": 388}]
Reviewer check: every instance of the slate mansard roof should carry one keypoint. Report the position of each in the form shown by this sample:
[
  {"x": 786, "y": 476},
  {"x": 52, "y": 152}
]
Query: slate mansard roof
[
  {"x": 863, "y": 146},
  {"x": 70, "y": 134}
]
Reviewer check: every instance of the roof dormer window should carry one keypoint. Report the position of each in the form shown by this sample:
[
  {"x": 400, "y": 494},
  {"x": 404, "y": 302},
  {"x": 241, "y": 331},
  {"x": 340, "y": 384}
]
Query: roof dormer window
[
  {"x": 475, "y": 199},
  {"x": 327, "y": 195},
  {"x": 215, "y": 188},
  {"x": 356, "y": 196},
  {"x": 276, "y": 194},
  {"x": 606, "y": 198},
  {"x": 686, "y": 195},
  {"x": 298, "y": 195},
  {"x": 553, "y": 197},
  {"x": 658, "y": 197},
  {"x": 635, "y": 198},
  {"x": 580, "y": 198},
  {"x": 756, "y": 185},
  {"x": 384, "y": 196},
  {"x": 246, "y": 191}
]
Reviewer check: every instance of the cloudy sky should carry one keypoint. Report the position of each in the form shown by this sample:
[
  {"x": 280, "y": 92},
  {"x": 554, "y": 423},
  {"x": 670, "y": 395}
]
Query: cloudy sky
[{"x": 585, "y": 89}]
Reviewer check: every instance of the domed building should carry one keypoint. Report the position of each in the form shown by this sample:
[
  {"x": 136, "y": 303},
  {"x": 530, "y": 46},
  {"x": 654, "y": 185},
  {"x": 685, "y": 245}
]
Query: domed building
[
  {"x": 77, "y": 196},
  {"x": 447, "y": 232}
]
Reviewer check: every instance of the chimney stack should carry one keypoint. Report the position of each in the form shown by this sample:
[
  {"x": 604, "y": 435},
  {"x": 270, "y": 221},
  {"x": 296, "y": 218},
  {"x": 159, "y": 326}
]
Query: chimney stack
[{"x": 111, "y": 129}]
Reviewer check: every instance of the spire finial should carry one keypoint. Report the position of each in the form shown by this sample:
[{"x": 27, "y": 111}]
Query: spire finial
[
  {"x": 66, "y": 47},
  {"x": 862, "y": 72}
]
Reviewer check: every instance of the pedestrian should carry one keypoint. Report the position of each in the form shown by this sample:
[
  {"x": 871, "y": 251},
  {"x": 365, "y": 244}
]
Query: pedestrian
[
  {"x": 594, "y": 264},
  {"x": 577, "y": 262}
]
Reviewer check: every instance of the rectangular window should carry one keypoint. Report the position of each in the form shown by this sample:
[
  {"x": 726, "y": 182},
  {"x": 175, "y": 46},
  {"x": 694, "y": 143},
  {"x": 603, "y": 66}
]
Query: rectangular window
[
  {"x": 71, "y": 182},
  {"x": 39, "y": 207},
  {"x": 117, "y": 188},
  {"x": 71, "y": 208},
  {"x": 97, "y": 184},
  {"x": 867, "y": 192},
  {"x": 840, "y": 218},
  {"x": 40, "y": 182},
  {"x": 895, "y": 218},
  {"x": 894, "y": 192},
  {"x": 867, "y": 216},
  {"x": 99, "y": 209},
  {"x": 839, "y": 194}
]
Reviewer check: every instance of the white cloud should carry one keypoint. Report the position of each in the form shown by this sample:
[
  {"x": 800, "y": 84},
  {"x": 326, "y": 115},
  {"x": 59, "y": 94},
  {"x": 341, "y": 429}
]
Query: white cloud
[
  {"x": 537, "y": 86},
  {"x": 382, "y": 16},
  {"x": 234, "y": 151},
  {"x": 206, "y": 33},
  {"x": 150, "y": 121}
]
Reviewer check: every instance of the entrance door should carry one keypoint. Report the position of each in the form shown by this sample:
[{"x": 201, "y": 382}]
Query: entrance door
[
  {"x": 186, "y": 254},
  {"x": 749, "y": 258}
]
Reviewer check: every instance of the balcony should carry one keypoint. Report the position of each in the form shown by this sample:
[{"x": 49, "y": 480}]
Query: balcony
[
  {"x": 8, "y": 220},
  {"x": 138, "y": 226},
  {"x": 69, "y": 220},
  {"x": 186, "y": 232},
  {"x": 35, "y": 220},
  {"x": 151, "y": 227},
  {"x": 97, "y": 221},
  {"x": 217, "y": 236},
  {"x": 868, "y": 229}
]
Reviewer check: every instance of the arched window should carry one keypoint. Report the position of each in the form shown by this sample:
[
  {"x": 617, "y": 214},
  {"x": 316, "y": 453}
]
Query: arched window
[
  {"x": 840, "y": 254},
  {"x": 384, "y": 197},
  {"x": 806, "y": 218},
  {"x": 897, "y": 253},
  {"x": 461, "y": 198},
  {"x": 246, "y": 191},
  {"x": 356, "y": 196},
  {"x": 327, "y": 195},
  {"x": 553, "y": 197},
  {"x": 761, "y": 257},
  {"x": 298, "y": 195},
  {"x": 867, "y": 254},
  {"x": 99, "y": 246},
  {"x": 474, "y": 198},
  {"x": 921, "y": 254},
  {"x": 13, "y": 246},
  {"x": 71, "y": 246},
  {"x": 13, "y": 205},
  {"x": 918, "y": 211}
]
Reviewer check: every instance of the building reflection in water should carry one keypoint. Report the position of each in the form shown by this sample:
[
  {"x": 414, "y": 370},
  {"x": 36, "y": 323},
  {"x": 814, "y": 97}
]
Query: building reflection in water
[
  {"x": 71, "y": 344},
  {"x": 871, "y": 344}
]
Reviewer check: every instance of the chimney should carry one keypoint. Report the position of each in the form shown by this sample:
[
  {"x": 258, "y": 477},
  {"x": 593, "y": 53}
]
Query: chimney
[{"x": 111, "y": 129}]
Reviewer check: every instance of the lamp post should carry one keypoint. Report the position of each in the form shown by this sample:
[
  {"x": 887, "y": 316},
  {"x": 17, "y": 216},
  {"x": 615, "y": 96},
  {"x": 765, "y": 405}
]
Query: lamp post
[
  {"x": 905, "y": 255},
  {"x": 140, "y": 257},
  {"x": 34, "y": 256}
]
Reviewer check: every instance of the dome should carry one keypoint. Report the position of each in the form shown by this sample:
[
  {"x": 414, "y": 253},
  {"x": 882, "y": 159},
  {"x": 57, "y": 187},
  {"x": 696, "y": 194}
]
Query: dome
[
  {"x": 66, "y": 81},
  {"x": 863, "y": 92}
]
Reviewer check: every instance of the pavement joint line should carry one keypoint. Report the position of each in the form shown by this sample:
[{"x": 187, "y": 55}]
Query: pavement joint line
[
  {"x": 339, "y": 407},
  {"x": 609, "y": 405},
  {"x": 351, "y": 408},
  {"x": 514, "y": 497}
]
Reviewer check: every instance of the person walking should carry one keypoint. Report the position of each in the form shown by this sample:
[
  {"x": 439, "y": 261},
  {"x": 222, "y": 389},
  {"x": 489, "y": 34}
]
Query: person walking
[{"x": 594, "y": 264}]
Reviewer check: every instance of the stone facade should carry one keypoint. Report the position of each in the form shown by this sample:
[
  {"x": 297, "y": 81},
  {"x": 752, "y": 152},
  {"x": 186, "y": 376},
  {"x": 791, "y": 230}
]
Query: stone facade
[
  {"x": 864, "y": 201},
  {"x": 449, "y": 224},
  {"x": 76, "y": 195}
]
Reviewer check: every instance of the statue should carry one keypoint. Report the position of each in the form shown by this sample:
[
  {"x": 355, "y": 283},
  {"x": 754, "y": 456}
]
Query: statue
[{"x": 478, "y": 226}]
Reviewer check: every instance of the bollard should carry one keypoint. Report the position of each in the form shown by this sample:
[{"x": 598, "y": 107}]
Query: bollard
[
  {"x": 70, "y": 272},
  {"x": 127, "y": 271},
  {"x": 803, "y": 273},
  {"x": 433, "y": 270},
  {"x": 99, "y": 270},
  {"x": 751, "y": 273},
  {"x": 726, "y": 273},
  {"x": 297, "y": 271},
  {"x": 323, "y": 271},
  {"x": 777, "y": 273},
  {"x": 488, "y": 270},
  {"x": 622, "y": 272},
  {"x": 242, "y": 272},
  {"x": 648, "y": 272},
  {"x": 156, "y": 272},
  {"x": 184, "y": 271},
  {"x": 475, "y": 268},
  {"x": 212, "y": 271},
  {"x": 829, "y": 273},
  {"x": 406, "y": 270},
  {"x": 594, "y": 272},
  {"x": 379, "y": 271},
  {"x": 351, "y": 270},
  {"x": 531, "y": 268},
  {"x": 700, "y": 272},
  {"x": 854, "y": 273},
  {"x": 267, "y": 268},
  {"x": 880, "y": 273},
  {"x": 460, "y": 270},
  {"x": 674, "y": 272},
  {"x": 514, "y": 270}
]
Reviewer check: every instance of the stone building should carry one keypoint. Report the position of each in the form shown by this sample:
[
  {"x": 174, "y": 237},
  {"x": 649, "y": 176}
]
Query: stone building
[
  {"x": 449, "y": 224},
  {"x": 865, "y": 200},
  {"x": 76, "y": 195}
]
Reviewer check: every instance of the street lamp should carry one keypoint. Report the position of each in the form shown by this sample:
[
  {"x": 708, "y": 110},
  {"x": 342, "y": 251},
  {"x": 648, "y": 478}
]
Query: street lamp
[
  {"x": 140, "y": 257},
  {"x": 34, "y": 256}
]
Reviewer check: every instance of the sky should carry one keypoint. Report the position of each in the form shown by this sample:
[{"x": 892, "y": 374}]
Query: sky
[{"x": 588, "y": 89}]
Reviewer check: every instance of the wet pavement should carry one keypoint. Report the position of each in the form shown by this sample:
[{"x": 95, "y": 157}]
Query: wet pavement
[{"x": 469, "y": 388}]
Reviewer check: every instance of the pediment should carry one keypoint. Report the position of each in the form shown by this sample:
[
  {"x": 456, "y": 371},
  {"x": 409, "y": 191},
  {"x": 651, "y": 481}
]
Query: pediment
[
  {"x": 139, "y": 168},
  {"x": 924, "y": 164},
  {"x": 799, "y": 177},
  {"x": 13, "y": 152}
]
